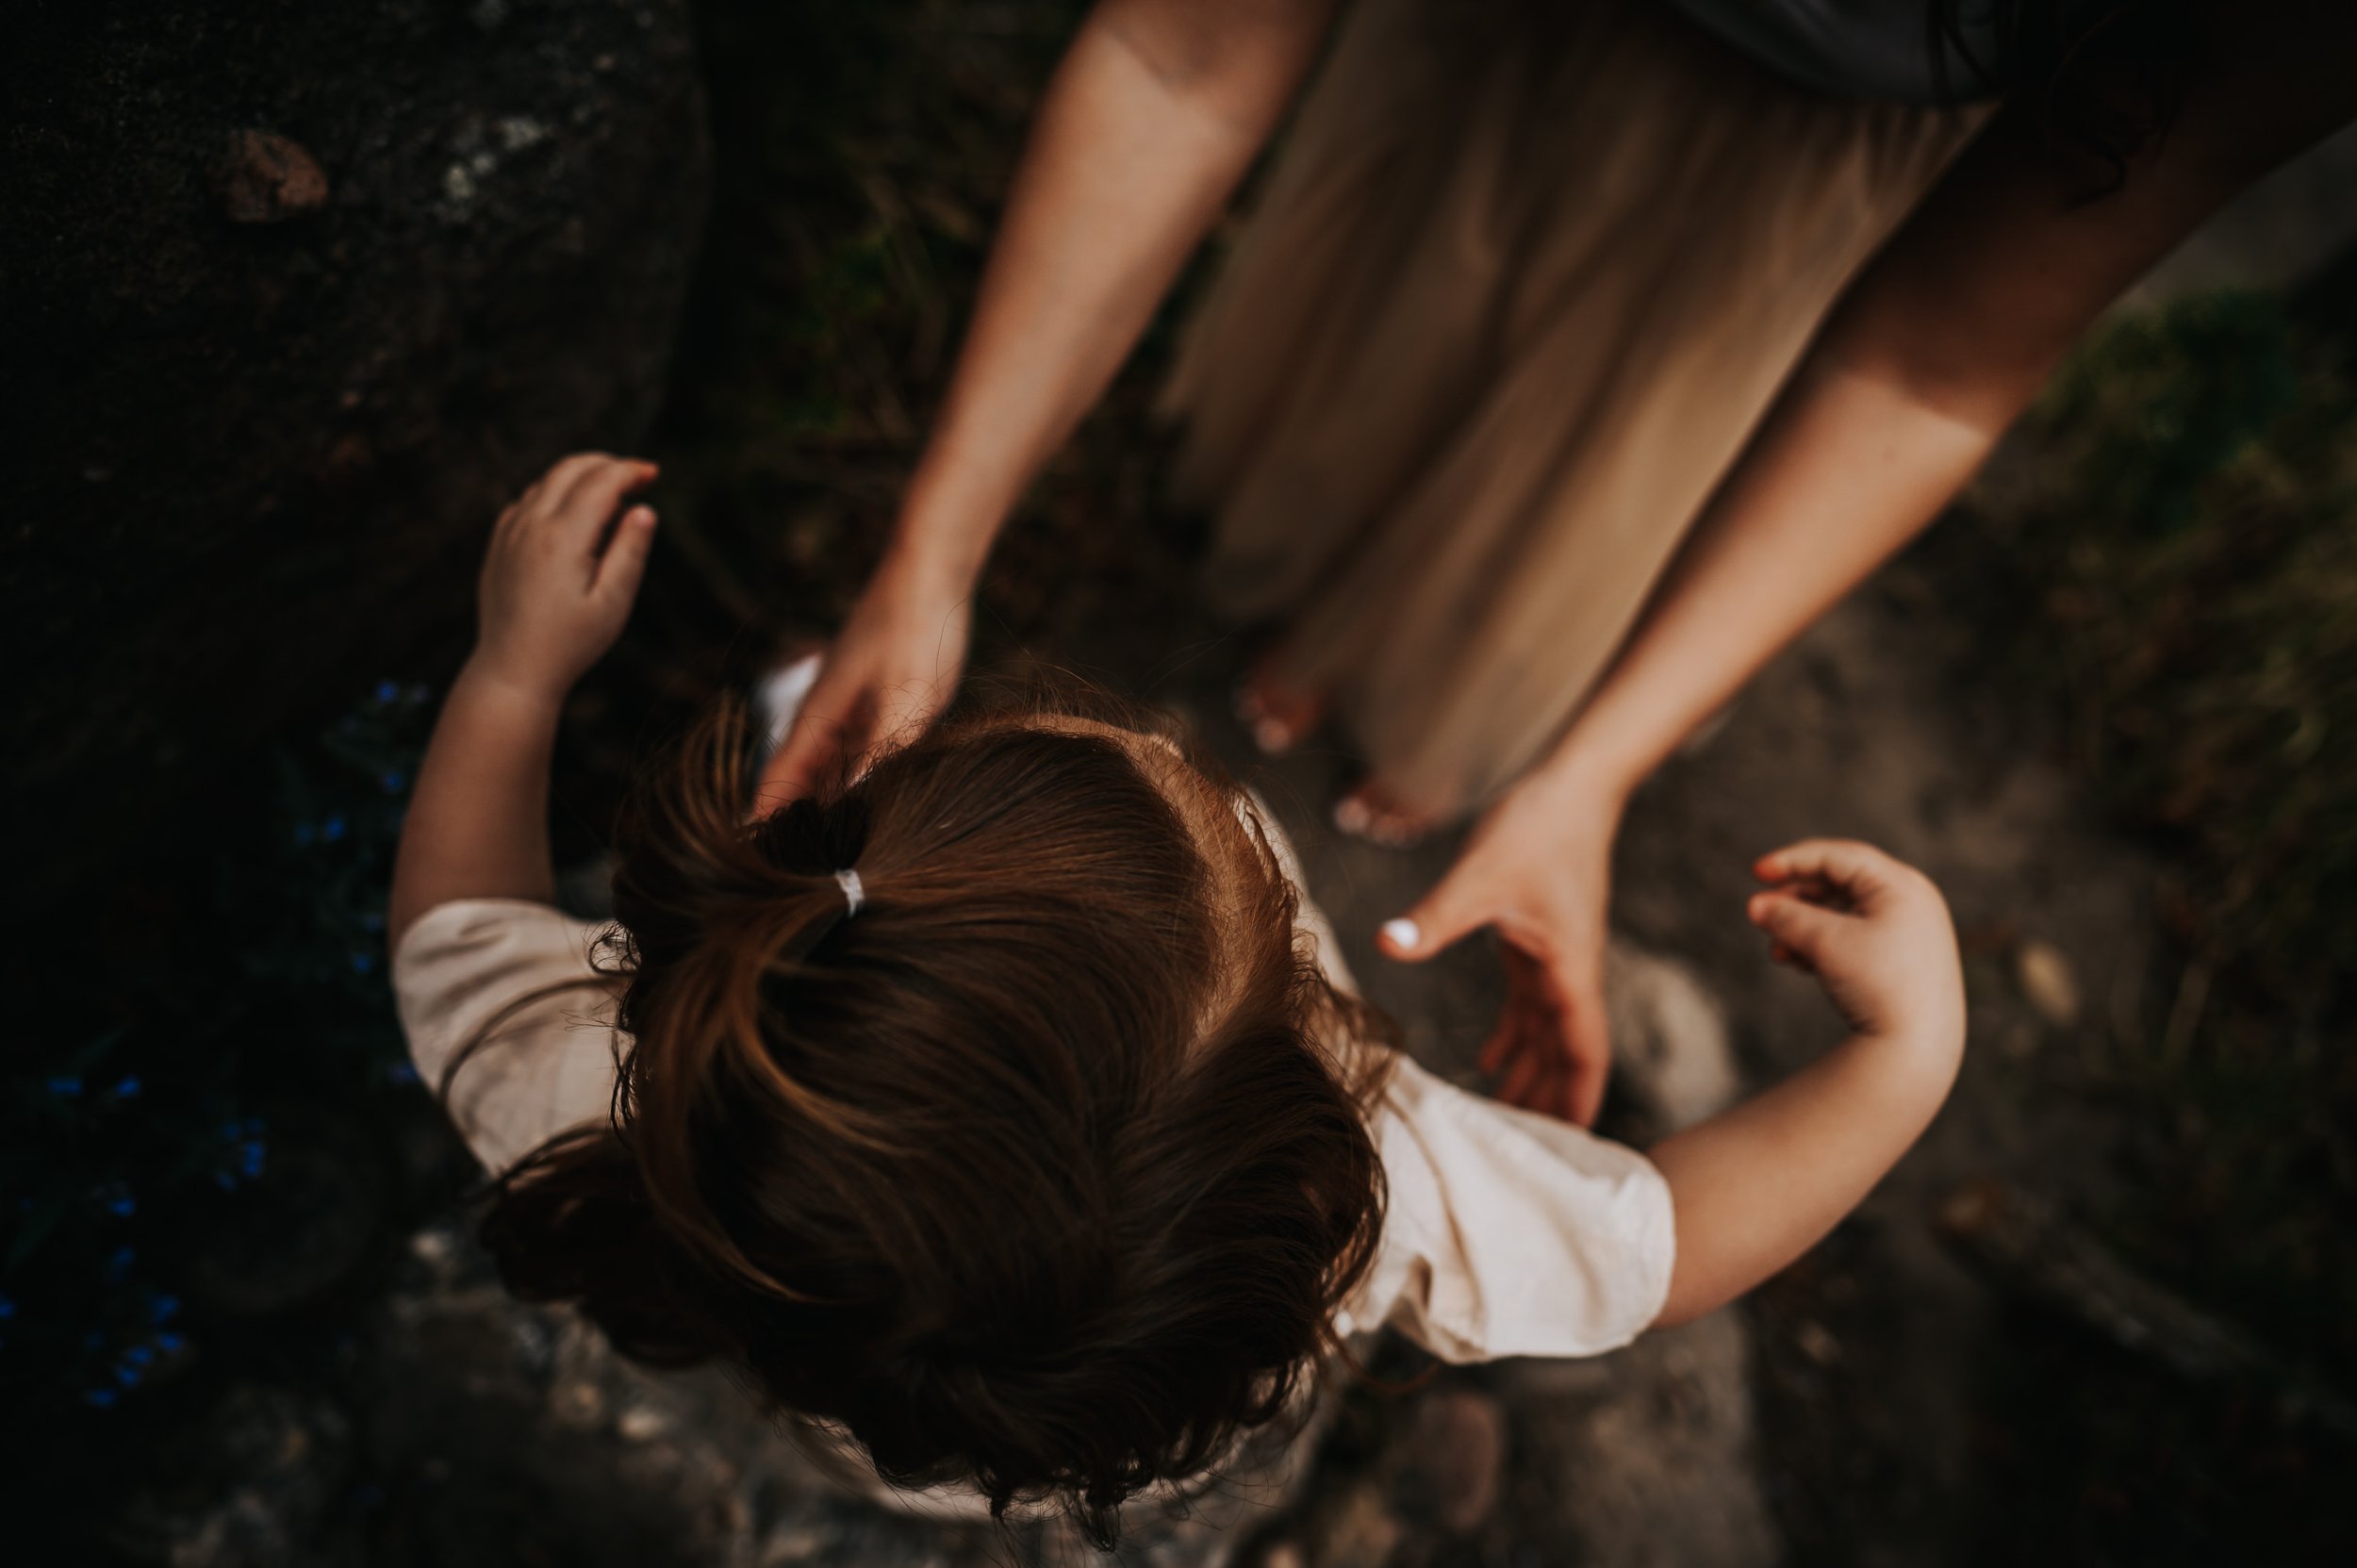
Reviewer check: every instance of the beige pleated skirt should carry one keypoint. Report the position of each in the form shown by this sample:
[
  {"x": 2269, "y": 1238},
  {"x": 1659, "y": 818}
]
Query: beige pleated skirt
[{"x": 1526, "y": 276}]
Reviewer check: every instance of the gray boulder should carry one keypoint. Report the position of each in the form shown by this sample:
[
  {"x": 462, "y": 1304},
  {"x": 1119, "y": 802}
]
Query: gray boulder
[{"x": 291, "y": 296}]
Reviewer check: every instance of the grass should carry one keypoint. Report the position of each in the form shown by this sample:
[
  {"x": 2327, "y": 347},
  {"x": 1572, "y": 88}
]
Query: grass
[{"x": 2190, "y": 526}]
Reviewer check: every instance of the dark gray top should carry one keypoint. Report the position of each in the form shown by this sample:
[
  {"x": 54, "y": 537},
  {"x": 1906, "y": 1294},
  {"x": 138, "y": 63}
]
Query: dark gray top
[{"x": 1851, "y": 48}]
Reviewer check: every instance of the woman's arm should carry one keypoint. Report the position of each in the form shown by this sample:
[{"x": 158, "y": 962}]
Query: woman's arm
[
  {"x": 1933, "y": 351},
  {"x": 1942, "y": 342},
  {"x": 1755, "y": 1186},
  {"x": 1152, "y": 118},
  {"x": 556, "y": 589}
]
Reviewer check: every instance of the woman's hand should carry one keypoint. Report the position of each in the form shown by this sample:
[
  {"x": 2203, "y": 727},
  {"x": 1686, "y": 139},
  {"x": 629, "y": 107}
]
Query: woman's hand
[
  {"x": 894, "y": 666},
  {"x": 560, "y": 575},
  {"x": 1538, "y": 868}
]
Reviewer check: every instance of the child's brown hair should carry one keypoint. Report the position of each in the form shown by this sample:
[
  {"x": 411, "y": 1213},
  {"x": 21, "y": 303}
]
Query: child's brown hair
[{"x": 1044, "y": 1170}]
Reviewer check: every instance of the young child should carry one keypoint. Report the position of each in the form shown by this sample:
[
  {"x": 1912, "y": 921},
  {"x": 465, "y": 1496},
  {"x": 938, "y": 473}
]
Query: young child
[{"x": 1008, "y": 1110}]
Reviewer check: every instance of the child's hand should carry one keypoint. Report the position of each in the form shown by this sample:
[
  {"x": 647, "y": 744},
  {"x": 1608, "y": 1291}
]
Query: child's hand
[
  {"x": 557, "y": 584},
  {"x": 1875, "y": 933}
]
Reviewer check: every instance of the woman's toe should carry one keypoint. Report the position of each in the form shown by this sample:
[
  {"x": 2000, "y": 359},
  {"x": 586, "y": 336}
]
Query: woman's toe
[
  {"x": 1367, "y": 813},
  {"x": 1277, "y": 719}
]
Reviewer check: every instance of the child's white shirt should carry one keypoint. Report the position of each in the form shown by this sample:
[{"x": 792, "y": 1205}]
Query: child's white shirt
[{"x": 1507, "y": 1232}]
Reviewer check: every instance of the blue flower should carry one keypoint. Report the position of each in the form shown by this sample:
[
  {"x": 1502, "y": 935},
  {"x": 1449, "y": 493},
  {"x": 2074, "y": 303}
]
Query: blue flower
[
  {"x": 101, "y": 1397},
  {"x": 169, "y": 1343},
  {"x": 65, "y": 1085},
  {"x": 394, "y": 781},
  {"x": 129, "y": 1376},
  {"x": 250, "y": 1159},
  {"x": 401, "y": 1072},
  {"x": 125, "y": 1087},
  {"x": 333, "y": 829},
  {"x": 138, "y": 1354},
  {"x": 7, "y": 1307},
  {"x": 388, "y": 692},
  {"x": 362, "y": 963},
  {"x": 122, "y": 1206},
  {"x": 164, "y": 1308}
]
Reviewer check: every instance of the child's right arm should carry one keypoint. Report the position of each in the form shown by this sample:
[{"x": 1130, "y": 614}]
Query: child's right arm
[
  {"x": 1757, "y": 1185},
  {"x": 557, "y": 582}
]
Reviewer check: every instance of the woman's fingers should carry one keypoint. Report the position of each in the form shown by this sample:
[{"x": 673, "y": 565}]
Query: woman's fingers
[
  {"x": 1552, "y": 1049},
  {"x": 1525, "y": 1073},
  {"x": 1505, "y": 1039},
  {"x": 1586, "y": 1039},
  {"x": 816, "y": 743},
  {"x": 1458, "y": 905}
]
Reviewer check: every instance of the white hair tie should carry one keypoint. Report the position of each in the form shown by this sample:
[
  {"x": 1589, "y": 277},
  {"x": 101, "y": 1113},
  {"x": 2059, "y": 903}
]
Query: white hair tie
[{"x": 853, "y": 894}]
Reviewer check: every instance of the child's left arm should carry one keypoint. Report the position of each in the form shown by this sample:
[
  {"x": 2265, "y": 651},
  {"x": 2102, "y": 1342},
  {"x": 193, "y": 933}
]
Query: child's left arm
[
  {"x": 1755, "y": 1186},
  {"x": 557, "y": 584}
]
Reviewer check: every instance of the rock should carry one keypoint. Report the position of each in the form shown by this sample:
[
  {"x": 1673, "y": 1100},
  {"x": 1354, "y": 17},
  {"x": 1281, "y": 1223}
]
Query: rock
[
  {"x": 252, "y": 1496},
  {"x": 266, "y": 178},
  {"x": 1817, "y": 1342},
  {"x": 1456, "y": 1455},
  {"x": 297, "y": 1230},
  {"x": 269, "y": 383},
  {"x": 2048, "y": 983},
  {"x": 578, "y": 1404},
  {"x": 1359, "y": 1531},
  {"x": 1654, "y": 1466},
  {"x": 643, "y": 1424},
  {"x": 1669, "y": 1044}
]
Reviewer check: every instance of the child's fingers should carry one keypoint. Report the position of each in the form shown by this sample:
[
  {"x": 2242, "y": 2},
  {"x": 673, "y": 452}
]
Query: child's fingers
[
  {"x": 546, "y": 493},
  {"x": 625, "y": 560},
  {"x": 1858, "y": 869},
  {"x": 564, "y": 480},
  {"x": 1799, "y": 929},
  {"x": 594, "y": 495}
]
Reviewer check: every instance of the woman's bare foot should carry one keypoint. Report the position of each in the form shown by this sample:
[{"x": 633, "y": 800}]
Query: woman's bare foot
[
  {"x": 1277, "y": 717},
  {"x": 1369, "y": 812}
]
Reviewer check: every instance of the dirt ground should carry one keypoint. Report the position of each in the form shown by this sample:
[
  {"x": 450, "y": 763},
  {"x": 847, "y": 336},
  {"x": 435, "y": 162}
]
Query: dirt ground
[{"x": 1895, "y": 1398}]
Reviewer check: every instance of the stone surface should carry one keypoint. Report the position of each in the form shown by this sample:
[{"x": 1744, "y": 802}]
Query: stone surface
[
  {"x": 291, "y": 297},
  {"x": 1670, "y": 1046},
  {"x": 1455, "y": 1454},
  {"x": 1654, "y": 1464},
  {"x": 2048, "y": 983}
]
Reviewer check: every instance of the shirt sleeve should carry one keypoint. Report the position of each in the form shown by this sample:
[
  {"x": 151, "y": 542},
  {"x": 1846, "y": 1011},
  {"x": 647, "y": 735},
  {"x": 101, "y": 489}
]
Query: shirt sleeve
[
  {"x": 1507, "y": 1232},
  {"x": 517, "y": 977}
]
